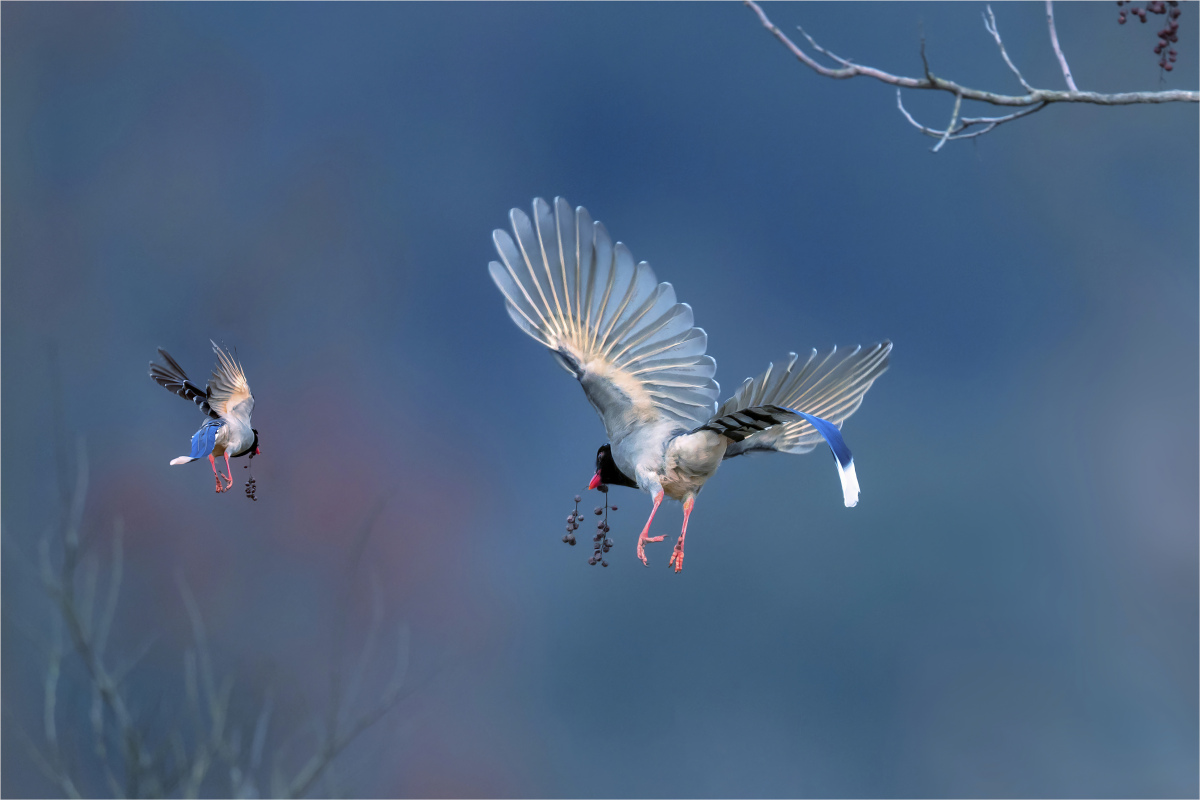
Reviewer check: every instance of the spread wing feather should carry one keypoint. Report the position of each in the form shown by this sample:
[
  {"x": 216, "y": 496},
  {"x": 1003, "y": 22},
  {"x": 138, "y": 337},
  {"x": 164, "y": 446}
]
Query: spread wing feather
[
  {"x": 607, "y": 319},
  {"x": 172, "y": 378},
  {"x": 228, "y": 392},
  {"x": 830, "y": 387}
]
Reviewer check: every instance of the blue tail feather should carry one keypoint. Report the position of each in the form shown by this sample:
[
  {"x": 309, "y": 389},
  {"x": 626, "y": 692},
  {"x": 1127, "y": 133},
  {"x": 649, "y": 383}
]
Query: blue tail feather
[
  {"x": 833, "y": 436},
  {"x": 841, "y": 454}
]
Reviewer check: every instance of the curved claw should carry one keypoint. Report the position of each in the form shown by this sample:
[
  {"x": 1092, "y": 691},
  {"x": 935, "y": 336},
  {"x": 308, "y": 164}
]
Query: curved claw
[
  {"x": 218, "y": 475},
  {"x": 641, "y": 546},
  {"x": 677, "y": 557}
]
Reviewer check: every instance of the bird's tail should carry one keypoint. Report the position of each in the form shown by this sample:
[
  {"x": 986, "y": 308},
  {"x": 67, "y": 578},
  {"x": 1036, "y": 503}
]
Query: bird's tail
[
  {"x": 181, "y": 460},
  {"x": 749, "y": 422}
]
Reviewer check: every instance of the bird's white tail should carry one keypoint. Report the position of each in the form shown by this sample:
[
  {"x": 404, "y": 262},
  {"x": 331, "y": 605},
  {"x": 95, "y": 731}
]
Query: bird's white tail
[{"x": 181, "y": 460}]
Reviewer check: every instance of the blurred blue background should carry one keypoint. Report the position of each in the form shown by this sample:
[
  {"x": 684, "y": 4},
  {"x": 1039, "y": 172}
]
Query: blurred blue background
[{"x": 1011, "y": 610}]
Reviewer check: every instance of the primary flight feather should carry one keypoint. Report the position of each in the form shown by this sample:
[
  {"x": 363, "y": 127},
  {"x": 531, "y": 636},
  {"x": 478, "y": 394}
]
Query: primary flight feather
[{"x": 641, "y": 362}]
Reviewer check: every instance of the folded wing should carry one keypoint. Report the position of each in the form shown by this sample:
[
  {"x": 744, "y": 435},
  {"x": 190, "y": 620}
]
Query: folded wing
[{"x": 606, "y": 319}]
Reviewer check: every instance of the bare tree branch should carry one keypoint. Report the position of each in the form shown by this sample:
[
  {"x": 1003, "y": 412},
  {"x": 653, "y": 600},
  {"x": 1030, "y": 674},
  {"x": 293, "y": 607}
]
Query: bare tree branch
[
  {"x": 1062, "y": 60},
  {"x": 50, "y": 688},
  {"x": 1032, "y": 101}
]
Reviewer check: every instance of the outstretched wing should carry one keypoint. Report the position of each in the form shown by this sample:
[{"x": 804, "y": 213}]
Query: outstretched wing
[
  {"x": 172, "y": 378},
  {"x": 607, "y": 320},
  {"x": 830, "y": 387},
  {"x": 228, "y": 392}
]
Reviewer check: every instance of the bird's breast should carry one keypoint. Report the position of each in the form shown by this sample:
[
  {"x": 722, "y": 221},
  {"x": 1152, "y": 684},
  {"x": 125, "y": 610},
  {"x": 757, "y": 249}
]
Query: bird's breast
[
  {"x": 234, "y": 437},
  {"x": 690, "y": 460}
]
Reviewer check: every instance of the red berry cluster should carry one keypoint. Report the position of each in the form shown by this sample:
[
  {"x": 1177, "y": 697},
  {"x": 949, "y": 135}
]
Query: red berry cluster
[{"x": 1168, "y": 36}]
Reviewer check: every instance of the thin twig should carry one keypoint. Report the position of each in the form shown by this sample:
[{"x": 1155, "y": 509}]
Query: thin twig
[
  {"x": 340, "y": 616},
  {"x": 1062, "y": 60},
  {"x": 200, "y": 639},
  {"x": 53, "y": 772},
  {"x": 844, "y": 62},
  {"x": 950, "y": 127},
  {"x": 50, "y": 687},
  {"x": 104, "y": 626},
  {"x": 367, "y": 654},
  {"x": 260, "y": 731},
  {"x": 966, "y": 122},
  {"x": 924, "y": 59},
  {"x": 989, "y": 22}
]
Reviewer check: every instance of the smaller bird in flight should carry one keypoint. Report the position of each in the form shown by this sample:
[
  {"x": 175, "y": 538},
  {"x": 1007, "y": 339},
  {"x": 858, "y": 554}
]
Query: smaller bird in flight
[{"x": 226, "y": 400}]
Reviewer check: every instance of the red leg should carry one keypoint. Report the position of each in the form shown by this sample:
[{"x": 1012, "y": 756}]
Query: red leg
[
  {"x": 641, "y": 551},
  {"x": 677, "y": 556},
  {"x": 217, "y": 475},
  {"x": 228, "y": 469}
]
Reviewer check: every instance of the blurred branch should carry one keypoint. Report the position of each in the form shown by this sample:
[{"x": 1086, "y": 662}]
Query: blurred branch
[
  {"x": 85, "y": 609},
  {"x": 336, "y": 740},
  {"x": 61, "y": 589},
  {"x": 1032, "y": 101},
  {"x": 340, "y": 615},
  {"x": 337, "y": 737}
]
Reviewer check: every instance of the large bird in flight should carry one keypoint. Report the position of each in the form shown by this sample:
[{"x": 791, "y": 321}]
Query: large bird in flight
[{"x": 621, "y": 334}]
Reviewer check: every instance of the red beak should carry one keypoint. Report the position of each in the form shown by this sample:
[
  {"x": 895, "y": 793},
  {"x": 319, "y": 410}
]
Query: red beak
[
  {"x": 595, "y": 481},
  {"x": 257, "y": 452}
]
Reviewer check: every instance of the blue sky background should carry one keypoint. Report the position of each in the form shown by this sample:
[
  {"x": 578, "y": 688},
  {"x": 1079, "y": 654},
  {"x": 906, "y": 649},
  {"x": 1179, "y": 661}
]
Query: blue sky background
[{"x": 1011, "y": 610}]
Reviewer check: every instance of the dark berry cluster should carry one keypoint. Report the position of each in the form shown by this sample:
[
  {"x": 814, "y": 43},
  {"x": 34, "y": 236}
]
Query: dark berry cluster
[
  {"x": 602, "y": 544},
  {"x": 1169, "y": 34},
  {"x": 573, "y": 523},
  {"x": 251, "y": 488}
]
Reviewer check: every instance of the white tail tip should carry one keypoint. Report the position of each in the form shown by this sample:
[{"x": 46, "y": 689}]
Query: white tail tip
[
  {"x": 849, "y": 483},
  {"x": 181, "y": 460}
]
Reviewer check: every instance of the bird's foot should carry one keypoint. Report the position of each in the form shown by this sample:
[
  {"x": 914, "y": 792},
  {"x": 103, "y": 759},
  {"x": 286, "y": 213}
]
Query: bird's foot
[
  {"x": 220, "y": 486},
  {"x": 229, "y": 485},
  {"x": 677, "y": 556},
  {"x": 641, "y": 547}
]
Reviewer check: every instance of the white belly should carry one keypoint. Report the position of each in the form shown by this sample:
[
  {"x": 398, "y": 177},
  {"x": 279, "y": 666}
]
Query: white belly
[
  {"x": 690, "y": 461},
  {"x": 234, "y": 437},
  {"x": 680, "y": 465}
]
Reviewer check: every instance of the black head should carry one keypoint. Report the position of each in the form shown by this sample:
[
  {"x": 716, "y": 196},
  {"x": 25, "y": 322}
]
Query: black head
[{"x": 607, "y": 471}]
